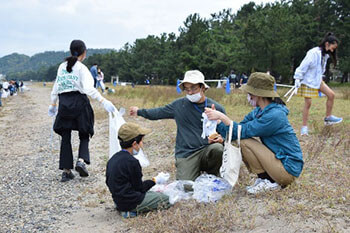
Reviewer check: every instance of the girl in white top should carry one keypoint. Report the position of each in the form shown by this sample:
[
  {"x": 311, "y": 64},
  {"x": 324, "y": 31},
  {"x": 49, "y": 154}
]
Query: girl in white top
[
  {"x": 72, "y": 85},
  {"x": 100, "y": 77},
  {"x": 308, "y": 79}
]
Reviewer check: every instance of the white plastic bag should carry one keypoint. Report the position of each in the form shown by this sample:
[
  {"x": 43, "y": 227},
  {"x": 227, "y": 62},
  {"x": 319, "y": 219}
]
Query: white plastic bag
[
  {"x": 210, "y": 188},
  {"x": 176, "y": 191},
  {"x": 115, "y": 121},
  {"x": 209, "y": 126},
  {"x": 142, "y": 158},
  {"x": 231, "y": 158}
]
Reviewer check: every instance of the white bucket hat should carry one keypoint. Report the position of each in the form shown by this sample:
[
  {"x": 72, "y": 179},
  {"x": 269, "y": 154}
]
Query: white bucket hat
[{"x": 194, "y": 77}]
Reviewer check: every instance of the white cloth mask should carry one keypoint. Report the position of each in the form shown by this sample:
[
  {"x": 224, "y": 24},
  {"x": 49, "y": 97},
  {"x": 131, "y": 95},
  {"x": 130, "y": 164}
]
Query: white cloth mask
[
  {"x": 251, "y": 101},
  {"x": 194, "y": 98}
]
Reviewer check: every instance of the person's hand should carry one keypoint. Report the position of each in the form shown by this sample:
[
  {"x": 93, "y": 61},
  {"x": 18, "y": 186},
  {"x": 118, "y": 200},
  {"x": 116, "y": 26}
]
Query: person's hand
[
  {"x": 213, "y": 114},
  {"x": 52, "y": 110},
  {"x": 109, "y": 107},
  {"x": 133, "y": 111},
  {"x": 297, "y": 83},
  {"x": 218, "y": 139}
]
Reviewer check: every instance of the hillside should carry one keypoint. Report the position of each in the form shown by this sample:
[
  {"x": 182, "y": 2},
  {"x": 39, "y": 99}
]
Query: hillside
[{"x": 19, "y": 62}]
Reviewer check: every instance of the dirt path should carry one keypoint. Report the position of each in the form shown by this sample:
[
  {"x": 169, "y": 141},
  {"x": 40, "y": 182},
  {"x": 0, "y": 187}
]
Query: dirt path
[{"x": 31, "y": 197}]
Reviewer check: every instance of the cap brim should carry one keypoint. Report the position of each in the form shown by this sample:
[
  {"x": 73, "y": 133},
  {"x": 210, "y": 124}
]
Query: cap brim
[
  {"x": 145, "y": 131},
  {"x": 205, "y": 85}
]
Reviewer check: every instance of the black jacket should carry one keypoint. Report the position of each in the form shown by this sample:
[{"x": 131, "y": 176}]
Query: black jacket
[{"x": 124, "y": 180}]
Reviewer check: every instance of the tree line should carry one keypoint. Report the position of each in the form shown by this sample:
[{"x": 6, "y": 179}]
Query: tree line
[{"x": 273, "y": 36}]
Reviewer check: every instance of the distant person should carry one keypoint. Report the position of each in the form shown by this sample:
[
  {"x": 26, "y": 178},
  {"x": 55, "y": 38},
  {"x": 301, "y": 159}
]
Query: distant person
[
  {"x": 72, "y": 85},
  {"x": 232, "y": 78},
  {"x": 0, "y": 94},
  {"x": 193, "y": 154},
  {"x": 308, "y": 79},
  {"x": 244, "y": 79},
  {"x": 130, "y": 194},
  {"x": 21, "y": 84},
  {"x": 100, "y": 78},
  {"x": 94, "y": 73},
  {"x": 276, "y": 158}
]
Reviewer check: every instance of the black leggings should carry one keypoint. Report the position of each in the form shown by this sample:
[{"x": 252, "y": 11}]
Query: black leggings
[{"x": 66, "y": 153}]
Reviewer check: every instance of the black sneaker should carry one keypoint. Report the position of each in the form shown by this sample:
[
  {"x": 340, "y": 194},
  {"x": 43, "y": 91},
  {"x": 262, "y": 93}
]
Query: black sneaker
[
  {"x": 67, "y": 176},
  {"x": 81, "y": 168}
]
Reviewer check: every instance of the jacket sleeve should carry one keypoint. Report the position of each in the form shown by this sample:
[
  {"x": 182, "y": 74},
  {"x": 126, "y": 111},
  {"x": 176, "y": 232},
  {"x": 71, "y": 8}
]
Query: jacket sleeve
[
  {"x": 147, "y": 185},
  {"x": 264, "y": 126},
  {"x": 304, "y": 66},
  {"x": 166, "y": 112}
]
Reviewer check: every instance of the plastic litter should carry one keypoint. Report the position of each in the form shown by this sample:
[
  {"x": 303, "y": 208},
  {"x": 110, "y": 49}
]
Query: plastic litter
[
  {"x": 175, "y": 190},
  {"x": 115, "y": 121},
  {"x": 209, "y": 127},
  {"x": 210, "y": 188},
  {"x": 142, "y": 158},
  {"x": 162, "y": 178}
]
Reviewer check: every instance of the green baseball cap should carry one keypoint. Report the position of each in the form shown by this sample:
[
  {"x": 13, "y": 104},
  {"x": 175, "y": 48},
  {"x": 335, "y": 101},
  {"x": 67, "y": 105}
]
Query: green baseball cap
[
  {"x": 260, "y": 84},
  {"x": 131, "y": 130}
]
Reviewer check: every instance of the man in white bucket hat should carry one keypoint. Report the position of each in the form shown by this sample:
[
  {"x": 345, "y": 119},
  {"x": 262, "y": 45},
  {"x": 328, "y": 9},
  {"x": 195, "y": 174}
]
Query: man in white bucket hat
[{"x": 193, "y": 154}]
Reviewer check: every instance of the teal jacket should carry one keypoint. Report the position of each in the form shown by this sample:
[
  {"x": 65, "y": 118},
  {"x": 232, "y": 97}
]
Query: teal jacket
[{"x": 271, "y": 125}]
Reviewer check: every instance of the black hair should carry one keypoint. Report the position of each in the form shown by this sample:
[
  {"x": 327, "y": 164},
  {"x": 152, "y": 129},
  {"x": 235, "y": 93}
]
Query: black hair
[
  {"x": 331, "y": 39},
  {"x": 77, "y": 48},
  {"x": 128, "y": 144},
  {"x": 276, "y": 100}
]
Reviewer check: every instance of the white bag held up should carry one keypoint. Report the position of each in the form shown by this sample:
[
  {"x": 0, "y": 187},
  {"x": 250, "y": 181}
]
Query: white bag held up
[
  {"x": 231, "y": 158},
  {"x": 115, "y": 121}
]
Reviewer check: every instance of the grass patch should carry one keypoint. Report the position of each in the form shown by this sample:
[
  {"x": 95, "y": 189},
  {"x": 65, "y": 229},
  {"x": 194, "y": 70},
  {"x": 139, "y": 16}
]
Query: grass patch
[{"x": 320, "y": 195}]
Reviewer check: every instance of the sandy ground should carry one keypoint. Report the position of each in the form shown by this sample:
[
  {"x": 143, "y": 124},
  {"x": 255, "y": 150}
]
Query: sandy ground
[
  {"x": 33, "y": 200},
  {"x": 32, "y": 197}
]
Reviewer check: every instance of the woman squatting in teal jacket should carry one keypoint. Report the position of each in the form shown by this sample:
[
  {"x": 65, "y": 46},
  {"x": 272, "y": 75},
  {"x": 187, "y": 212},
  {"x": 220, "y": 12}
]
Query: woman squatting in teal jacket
[{"x": 277, "y": 158}]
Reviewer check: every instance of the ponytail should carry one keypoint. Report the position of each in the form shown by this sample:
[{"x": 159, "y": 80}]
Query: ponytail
[{"x": 71, "y": 62}]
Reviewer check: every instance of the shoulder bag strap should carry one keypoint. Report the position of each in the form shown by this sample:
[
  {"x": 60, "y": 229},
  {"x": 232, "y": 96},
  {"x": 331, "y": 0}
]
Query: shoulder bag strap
[
  {"x": 239, "y": 135},
  {"x": 229, "y": 138}
]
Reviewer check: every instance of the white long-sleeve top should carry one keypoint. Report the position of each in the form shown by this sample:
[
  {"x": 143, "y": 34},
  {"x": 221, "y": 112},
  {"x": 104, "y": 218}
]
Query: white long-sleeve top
[
  {"x": 80, "y": 79},
  {"x": 311, "y": 68}
]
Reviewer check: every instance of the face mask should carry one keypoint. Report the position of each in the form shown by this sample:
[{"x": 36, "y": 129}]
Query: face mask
[
  {"x": 194, "y": 98},
  {"x": 251, "y": 101},
  {"x": 134, "y": 152}
]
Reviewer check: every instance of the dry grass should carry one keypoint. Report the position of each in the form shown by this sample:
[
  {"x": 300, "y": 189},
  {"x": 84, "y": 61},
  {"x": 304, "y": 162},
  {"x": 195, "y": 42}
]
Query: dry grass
[{"x": 319, "y": 200}]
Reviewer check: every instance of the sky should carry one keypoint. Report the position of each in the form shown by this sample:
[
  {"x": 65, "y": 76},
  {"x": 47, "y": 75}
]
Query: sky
[{"x": 35, "y": 26}]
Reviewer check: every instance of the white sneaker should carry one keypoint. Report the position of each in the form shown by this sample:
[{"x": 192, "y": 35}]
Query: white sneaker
[
  {"x": 304, "y": 131},
  {"x": 257, "y": 181},
  {"x": 262, "y": 186}
]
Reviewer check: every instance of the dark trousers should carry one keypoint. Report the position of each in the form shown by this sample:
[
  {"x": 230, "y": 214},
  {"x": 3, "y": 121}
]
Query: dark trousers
[{"x": 66, "y": 153}]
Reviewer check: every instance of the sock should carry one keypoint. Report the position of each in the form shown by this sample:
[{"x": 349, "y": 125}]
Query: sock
[
  {"x": 81, "y": 160},
  {"x": 266, "y": 176}
]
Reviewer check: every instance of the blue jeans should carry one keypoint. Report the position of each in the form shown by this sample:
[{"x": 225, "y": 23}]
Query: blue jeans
[{"x": 0, "y": 98}]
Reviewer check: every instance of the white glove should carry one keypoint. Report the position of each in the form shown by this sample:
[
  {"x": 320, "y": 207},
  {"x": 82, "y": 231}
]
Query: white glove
[
  {"x": 161, "y": 178},
  {"x": 109, "y": 107},
  {"x": 52, "y": 110},
  {"x": 297, "y": 83}
]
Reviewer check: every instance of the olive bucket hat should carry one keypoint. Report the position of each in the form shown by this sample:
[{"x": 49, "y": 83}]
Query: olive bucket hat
[{"x": 260, "y": 84}]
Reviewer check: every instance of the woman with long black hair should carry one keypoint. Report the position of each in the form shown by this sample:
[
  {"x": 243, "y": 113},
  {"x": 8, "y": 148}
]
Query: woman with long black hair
[
  {"x": 72, "y": 86},
  {"x": 308, "y": 79}
]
